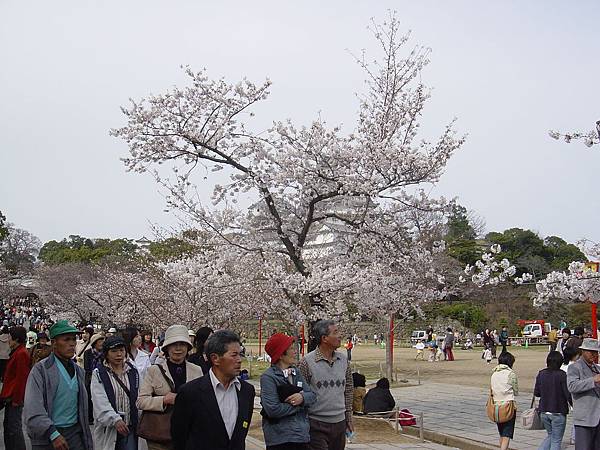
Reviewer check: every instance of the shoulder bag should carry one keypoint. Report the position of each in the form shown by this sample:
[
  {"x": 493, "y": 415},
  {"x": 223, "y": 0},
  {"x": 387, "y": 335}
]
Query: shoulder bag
[
  {"x": 155, "y": 426},
  {"x": 530, "y": 418},
  {"x": 501, "y": 412}
]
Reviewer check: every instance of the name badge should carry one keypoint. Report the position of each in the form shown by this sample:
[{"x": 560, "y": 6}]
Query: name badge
[{"x": 299, "y": 384}]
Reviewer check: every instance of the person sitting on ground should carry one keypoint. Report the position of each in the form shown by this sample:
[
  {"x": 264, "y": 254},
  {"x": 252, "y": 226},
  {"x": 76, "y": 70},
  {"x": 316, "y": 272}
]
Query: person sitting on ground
[
  {"x": 379, "y": 399},
  {"x": 360, "y": 390}
]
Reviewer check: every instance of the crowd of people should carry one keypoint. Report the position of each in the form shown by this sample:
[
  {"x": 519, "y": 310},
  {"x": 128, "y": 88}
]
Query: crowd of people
[
  {"x": 570, "y": 383},
  {"x": 83, "y": 389}
]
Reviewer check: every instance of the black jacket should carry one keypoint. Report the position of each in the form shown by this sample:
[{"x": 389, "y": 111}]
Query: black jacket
[
  {"x": 197, "y": 424},
  {"x": 551, "y": 387},
  {"x": 378, "y": 400}
]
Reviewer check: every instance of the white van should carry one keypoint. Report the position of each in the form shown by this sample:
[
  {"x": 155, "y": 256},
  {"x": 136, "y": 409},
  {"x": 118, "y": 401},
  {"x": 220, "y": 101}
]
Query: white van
[{"x": 417, "y": 336}]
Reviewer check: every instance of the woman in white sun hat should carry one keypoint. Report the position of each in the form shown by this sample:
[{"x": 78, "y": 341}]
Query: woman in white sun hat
[{"x": 162, "y": 382}]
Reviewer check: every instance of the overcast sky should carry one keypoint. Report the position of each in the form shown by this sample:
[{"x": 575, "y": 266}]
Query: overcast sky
[{"x": 509, "y": 71}]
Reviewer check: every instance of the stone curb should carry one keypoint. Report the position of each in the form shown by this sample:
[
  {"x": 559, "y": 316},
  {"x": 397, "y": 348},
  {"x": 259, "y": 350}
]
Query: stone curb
[{"x": 448, "y": 440}]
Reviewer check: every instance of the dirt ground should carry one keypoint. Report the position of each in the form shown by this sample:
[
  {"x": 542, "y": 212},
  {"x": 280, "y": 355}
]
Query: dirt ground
[
  {"x": 467, "y": 369},
  {"x": 366, "y": 431}
]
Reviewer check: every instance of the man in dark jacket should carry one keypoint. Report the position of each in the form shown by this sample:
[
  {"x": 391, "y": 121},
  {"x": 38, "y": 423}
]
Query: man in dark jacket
[
  {"x": 214, "y": 412},
  {"x": 379, "y": 399},
  {"x": 13, "y": 389},
  {"x": 504, "y": 338}
]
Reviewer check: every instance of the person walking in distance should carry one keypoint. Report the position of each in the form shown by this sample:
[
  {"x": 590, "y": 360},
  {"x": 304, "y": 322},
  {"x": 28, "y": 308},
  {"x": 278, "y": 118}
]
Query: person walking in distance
[
  {"x": 13, "y": 389},
  {"x": 330, "y": 378},
  {"x": 448, "y": 345},
  {"x": 504, "y": 338},
  {"x": 349, "y": 346},
  {"x": 583, "y": 381},
  {"x": 214, "y": 412},
  {"x": 56, "y": 401}
]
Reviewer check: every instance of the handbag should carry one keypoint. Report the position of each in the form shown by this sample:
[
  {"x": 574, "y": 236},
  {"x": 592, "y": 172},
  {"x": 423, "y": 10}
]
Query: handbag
[
  {"x": 287, "y": 389},
  {"x": 501, "y": 412},
  {"x": 155, "y": 426},
  {"x": 530, "y": 418}
]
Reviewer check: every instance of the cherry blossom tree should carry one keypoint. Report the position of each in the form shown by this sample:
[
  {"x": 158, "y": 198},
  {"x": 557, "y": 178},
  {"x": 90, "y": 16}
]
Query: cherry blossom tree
[
  {"x": 589, "y": 138},
  {"x": 329, "y": 209}
]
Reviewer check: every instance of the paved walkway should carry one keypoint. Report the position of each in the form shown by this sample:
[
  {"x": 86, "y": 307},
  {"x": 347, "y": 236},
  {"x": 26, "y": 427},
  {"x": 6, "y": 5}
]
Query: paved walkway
[
  {"x": 253, "y": 444},
  {"x": 460, "y": 411}
]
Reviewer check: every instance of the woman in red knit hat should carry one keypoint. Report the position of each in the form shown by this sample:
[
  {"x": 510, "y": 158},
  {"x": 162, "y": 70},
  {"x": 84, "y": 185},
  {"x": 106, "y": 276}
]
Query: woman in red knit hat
[{"x": 285, "y": 397}]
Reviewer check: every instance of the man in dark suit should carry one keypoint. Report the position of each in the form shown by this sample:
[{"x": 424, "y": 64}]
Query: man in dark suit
[{"x": 214, "y": 412}]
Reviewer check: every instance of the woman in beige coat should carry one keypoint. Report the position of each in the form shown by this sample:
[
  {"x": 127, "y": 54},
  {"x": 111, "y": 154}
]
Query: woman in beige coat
[{"x": 162, "y": 382}]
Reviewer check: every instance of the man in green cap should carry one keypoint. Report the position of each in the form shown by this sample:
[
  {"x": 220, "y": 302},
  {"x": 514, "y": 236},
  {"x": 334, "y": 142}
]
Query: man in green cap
[{"x": 56, "y": 401}]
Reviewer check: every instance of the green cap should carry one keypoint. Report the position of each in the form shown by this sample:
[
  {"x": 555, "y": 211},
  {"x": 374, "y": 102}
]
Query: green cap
[{"x": 62, "y": 327}]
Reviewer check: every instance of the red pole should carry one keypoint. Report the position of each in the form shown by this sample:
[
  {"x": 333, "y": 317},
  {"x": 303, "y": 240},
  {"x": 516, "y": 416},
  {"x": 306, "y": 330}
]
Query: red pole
[
  {"x": 302, "y": 339},
  {"x": 594, "y": 320},
  {"x": 259, "y": 336}
]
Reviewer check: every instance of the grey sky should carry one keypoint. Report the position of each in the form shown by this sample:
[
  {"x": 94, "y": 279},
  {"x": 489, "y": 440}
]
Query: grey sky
[{"x": 508, "y": 71}]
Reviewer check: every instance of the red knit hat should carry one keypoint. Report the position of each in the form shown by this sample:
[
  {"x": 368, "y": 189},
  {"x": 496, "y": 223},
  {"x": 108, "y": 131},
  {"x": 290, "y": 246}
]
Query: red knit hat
[{"x": 277, "y": 345}]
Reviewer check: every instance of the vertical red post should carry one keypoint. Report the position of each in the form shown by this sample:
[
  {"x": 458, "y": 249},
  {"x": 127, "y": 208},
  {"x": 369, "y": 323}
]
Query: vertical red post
[
  {"x": 594, "y": 320},
  {"x": 259, "y": 336},
  {"x": 302, "y": 339}
]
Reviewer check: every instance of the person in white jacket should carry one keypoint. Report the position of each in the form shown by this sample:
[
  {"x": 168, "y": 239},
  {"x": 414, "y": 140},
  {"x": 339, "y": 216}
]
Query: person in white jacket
[
  {"x": 115, "y": 386},
  {"x": 138, "y": 357}
]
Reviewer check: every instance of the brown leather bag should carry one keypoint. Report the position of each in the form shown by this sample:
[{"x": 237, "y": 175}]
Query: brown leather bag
[
  {"x": 500, "y": 412},
  {"x": 155, "y": 426}
]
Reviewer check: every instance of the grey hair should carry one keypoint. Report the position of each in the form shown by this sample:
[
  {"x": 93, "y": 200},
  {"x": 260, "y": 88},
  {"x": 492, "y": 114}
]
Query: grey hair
[
  {"x": 321, "y": 329},
  {"x": 218, "y": 341}
]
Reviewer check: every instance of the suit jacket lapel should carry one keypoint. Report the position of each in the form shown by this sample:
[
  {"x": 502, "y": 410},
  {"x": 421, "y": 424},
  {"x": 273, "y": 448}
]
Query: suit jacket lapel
[{"x": 212, "y": 405}]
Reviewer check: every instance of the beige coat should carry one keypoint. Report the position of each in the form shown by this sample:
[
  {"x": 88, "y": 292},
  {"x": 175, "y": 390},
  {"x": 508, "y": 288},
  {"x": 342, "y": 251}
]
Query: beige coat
[{"x": 155, "y": 387}]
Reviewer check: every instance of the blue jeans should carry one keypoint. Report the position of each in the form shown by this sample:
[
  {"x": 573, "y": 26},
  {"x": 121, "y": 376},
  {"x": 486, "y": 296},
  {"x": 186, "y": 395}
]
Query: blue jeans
[{"x": 555, "y": 427}]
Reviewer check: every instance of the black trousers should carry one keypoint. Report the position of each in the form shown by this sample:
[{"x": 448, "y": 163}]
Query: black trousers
[
  {"x": 587, "y": 438},
  {"x": 13, "y": 428},
  {"x": 3, "y": 363}
]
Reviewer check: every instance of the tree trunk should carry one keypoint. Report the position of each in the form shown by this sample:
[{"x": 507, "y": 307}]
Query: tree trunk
[{"x": 389, "y": 349}]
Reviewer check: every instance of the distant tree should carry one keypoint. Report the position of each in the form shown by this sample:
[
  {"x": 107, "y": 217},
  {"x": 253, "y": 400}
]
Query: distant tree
[
  {"x": 460, "y": 237},
  {"x": 459, "y": 226},
  {"x": 171, "y": 248},
  {"x": 471, "y": 316},
  {"x": 589, "y": 138},
  {"x": 3, "y": 227},
  {"x": 85, "y": 250},
  {"x": 18, "y": 250},
  {"x": 562, "y": 253}
]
